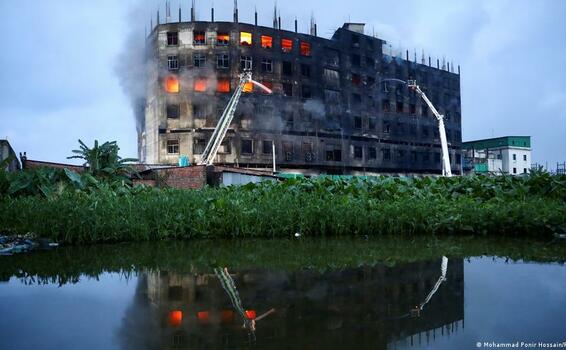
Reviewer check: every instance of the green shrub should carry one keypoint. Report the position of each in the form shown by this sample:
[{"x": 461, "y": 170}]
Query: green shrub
[{"x": 503, "y": 206}]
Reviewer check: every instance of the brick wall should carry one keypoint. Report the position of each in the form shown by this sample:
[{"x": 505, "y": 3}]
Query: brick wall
[
  {"x": 185, "y": 177},
  {"x": 193, "y": 177},
  {"x": 151, "y": 183},
  {"x": 33, "y": 164}
]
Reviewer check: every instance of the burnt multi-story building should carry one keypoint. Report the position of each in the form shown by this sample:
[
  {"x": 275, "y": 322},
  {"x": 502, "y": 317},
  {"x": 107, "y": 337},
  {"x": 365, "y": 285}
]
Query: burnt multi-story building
[{"x": 331, "y": 110}]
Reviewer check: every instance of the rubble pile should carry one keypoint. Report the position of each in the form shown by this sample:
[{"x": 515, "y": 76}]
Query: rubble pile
[{"x": 24, "y": 243}]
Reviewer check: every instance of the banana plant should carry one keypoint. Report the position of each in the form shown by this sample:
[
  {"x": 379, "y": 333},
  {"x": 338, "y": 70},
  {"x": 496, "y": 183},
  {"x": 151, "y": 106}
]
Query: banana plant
[{"x": 103, "y": 161}]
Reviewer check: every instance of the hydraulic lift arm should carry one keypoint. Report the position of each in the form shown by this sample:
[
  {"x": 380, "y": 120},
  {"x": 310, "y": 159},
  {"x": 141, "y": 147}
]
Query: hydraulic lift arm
[
  {"x": 446, "y": 169},
  {"x": 219, "y": 133}
]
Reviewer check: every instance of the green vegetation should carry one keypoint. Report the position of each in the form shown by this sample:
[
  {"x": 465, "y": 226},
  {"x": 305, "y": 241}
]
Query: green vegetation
[
  {"x": 101, "y": 205},
  {"x": 104, "y": 170},
  {"x": 68, "y": 264},
  {"x": 501, "y": 206},
  {"x": 103, "y": 161}
]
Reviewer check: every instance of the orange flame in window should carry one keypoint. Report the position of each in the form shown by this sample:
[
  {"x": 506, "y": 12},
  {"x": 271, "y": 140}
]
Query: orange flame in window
[
  {"x": 223, "y": 38},
  {"x": 305, "y": 49},
  {"x": 172, "y": 84},
  {"x": 245, "y": 38},
  {"x": 266, "y": 42},
  {"x": 286, "y": 45},
  {"x": 223, "y": 85},
  {"x": 199, "y": 37},
  {"x": 200, "y": 85}
]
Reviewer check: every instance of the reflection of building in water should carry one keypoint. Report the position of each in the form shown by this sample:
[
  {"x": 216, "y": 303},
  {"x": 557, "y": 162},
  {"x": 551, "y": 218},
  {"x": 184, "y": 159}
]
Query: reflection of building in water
[{"x": 367, "y": 307}]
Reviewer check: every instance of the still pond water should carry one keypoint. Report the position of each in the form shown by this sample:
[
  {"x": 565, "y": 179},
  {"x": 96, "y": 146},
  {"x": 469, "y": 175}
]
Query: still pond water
[{"x": 284, "y": 295}]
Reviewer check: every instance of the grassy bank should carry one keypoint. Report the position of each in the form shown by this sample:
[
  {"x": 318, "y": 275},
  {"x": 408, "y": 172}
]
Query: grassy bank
[{"x": 503, "y": 206}]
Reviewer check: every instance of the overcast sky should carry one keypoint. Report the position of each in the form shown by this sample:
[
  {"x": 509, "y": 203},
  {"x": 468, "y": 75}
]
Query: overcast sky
[{"x": 58, "y": 59}]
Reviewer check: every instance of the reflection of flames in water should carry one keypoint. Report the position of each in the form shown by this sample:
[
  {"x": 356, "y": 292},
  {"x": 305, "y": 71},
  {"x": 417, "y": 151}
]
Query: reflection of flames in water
[
  {"x": 185, "y": 313},
  {"x": 227, "y": 316},
  {"x": 172, "y": 84},
  {"x": 175, "y": 318},
  {"x": 203, "y": 316}
]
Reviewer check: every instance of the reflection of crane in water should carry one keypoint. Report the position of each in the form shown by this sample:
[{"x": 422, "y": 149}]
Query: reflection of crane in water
[
  {"x": 229, "y": 286},
  {"x": 416, "y": 311},
  {"x": 442, "y": 278}
]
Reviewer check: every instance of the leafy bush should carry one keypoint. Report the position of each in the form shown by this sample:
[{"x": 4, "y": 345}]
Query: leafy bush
[
  {"x": 103, "y": 161},
  {"x": 505, "y": 206},
  {"x": 104, "y": 169}
]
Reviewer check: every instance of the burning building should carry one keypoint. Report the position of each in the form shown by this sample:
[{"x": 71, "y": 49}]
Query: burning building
[{"x": 332, "y": 110}]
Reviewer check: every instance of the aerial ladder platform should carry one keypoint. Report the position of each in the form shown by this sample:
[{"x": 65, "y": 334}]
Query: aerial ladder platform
[
  {"x": 207, "y": 157},
  {"x": 446, "y": 169},
  {"x": 412, "y": 84}
]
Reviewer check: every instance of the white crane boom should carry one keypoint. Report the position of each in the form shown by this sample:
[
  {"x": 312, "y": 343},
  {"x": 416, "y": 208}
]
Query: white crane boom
[
  {"x": 446, "y": 169},
  {"x": 442, "y": 278},
  {"x": 219, "y": 133}
]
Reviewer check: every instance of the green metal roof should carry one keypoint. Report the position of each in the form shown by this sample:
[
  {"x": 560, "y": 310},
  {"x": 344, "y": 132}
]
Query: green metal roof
[
  {"x": 290, "y": 176},
  {"x": 505, "y": 141},
  {"x": 481, "y": 168}
]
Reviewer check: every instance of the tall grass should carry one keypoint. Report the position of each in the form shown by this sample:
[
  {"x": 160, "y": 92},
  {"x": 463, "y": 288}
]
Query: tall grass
[{"x": 502, "y": 206}]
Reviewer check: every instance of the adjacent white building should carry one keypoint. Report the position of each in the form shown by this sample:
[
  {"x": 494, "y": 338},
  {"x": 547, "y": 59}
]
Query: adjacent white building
[{"x": 501, "y": 155}]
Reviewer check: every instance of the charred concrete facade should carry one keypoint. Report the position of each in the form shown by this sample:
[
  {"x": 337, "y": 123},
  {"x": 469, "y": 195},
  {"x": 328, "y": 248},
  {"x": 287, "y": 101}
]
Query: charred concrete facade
[{"x": 331, "y": 110}]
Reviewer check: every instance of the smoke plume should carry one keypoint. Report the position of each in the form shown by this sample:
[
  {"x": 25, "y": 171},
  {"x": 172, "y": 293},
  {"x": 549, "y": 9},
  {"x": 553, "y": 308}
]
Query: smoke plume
[{"x": 131, "y": 67}]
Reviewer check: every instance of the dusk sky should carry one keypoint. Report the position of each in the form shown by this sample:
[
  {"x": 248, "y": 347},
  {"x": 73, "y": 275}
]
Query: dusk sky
[{"x": 59, "y": 59}]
